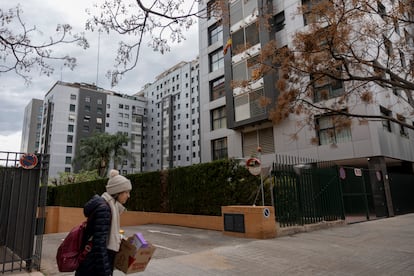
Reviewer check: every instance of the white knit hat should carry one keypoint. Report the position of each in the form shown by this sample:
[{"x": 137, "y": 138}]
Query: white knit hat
[{"x": 117, "y": 183}]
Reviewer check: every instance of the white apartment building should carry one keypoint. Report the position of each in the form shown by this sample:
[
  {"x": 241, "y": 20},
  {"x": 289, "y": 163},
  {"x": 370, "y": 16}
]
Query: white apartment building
[
  {"x": 172, "y": 121},
  {"x": 73, "y": 111},
  {"x": 32, "y": 123},
  {"x": 234, "y": 125}
]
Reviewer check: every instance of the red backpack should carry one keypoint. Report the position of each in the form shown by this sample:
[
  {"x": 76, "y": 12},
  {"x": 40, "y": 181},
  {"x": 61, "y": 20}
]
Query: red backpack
[{"x": 70, "y": 252}]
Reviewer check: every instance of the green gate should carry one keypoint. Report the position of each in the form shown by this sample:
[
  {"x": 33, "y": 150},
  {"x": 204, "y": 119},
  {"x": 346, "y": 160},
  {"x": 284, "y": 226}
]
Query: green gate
[
  {"x": 358, "y": 195},
  {"x": 306, "y": 192}
]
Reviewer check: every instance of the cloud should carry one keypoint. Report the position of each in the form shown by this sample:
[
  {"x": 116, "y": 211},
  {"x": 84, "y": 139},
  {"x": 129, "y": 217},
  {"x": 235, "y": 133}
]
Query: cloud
[
  {"x": 10, "y": 142},
  {"x": 45, "y": 15}
]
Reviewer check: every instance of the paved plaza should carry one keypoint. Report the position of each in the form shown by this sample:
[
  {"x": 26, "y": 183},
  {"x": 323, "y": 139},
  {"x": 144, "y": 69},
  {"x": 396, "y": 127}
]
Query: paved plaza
[{"x": 377, "y": 247}]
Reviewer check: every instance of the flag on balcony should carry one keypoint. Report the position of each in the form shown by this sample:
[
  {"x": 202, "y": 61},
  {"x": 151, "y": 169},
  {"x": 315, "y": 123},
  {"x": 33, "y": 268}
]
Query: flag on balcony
[{"x": 227, "y": 46}]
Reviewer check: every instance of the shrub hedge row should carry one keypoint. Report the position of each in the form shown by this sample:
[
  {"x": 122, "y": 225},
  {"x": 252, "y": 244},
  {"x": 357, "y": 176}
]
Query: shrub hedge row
[{"x": 199, "y": 189}]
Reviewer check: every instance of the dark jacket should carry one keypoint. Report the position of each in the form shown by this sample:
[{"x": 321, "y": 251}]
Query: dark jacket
[{"x": 99, "y": 260}]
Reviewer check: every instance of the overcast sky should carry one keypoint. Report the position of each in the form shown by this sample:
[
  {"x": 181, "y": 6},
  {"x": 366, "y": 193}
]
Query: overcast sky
[{"x": 45, "y": 15}]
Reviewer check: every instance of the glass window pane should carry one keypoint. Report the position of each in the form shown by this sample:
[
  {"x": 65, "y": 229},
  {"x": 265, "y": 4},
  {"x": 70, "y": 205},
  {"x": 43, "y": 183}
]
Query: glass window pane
[
  {"x": 238, "y": 40},
  {"x": 252, "y": 35},
  {"x": 240, "y": 71},
  {"x": 236, "y": 12}
]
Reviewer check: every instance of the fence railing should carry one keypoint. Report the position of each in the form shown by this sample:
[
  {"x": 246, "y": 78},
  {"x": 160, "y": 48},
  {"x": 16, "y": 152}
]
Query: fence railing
[
  {"x": 22, "y": 210},
  {"x": 306, "y": 191}
]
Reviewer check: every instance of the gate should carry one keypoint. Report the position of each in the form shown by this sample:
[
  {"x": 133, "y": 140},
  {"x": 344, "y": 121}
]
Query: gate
[
  {"x": 306, "y": 191},
  {"x": 22, "y": 210},
  {"x": 402, "y": 191},
  {"x": 363, "y": 192}
]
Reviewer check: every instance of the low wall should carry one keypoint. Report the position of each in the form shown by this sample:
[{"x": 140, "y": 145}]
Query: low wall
[{"x": 63, "y": 219}]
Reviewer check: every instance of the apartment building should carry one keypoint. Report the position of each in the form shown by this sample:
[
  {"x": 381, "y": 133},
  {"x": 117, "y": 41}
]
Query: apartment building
[
  {"x": 72, "y": 111},
  {"x": 32, "y": 122},
  {"x": 172, "y": 121},
  {"x": 234, "y": 124}
]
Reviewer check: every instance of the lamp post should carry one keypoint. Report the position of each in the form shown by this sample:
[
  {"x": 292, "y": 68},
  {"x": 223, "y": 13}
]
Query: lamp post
[{"x": 259, "y": 150}]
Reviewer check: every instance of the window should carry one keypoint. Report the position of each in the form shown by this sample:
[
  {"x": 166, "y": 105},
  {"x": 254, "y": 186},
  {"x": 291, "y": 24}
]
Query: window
[
  {"x": 242, "y": 9},
  {"x": 69, "y": 139},
  {"x": 87, "y": 99},
  {"x": 72, "y": 96},
  {"x": 212, "y": 9},
  {"x": 381, "y": 9},
  {"x": 217, "y": 89},
  {"x": 72, "y": 108},
  {"x": 247, "y": 105},
  {"x": 215, "y": 33},
  {"x": 325, "y": 88},
  {"x": 68, "y": 160},
  {"x": 387, "y": 45},
  {"x": 68, "y": 149},
  {"x": 403, "y": 129},
  {"x": 70, "y": 128},
  {"x": 219, "y": 148},
  {"x": 216, "y": 60},
  {"x": 260, "y": 137},
  {"x": 333, "y": 129},
  {"x": 99, "y": 101},
  {"x": 86, "y": 119},
  {"x": 243, "y": 70},
  {"x": 402, "y": 58},
  {"x": 245, "y": 38},
  {"x": 87, "y": 108},
  {"x": 386, "y": 124},
  {"x": 279, "y": 21},
  {"x": 310, "y": 11},
  {"x": 218, "y": 118}
]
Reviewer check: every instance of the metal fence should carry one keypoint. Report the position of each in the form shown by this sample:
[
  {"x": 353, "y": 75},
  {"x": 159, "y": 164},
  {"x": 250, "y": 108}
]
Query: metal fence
[
  {"x": 306, "y": 191},
  {"x": 22, "y": 210}
]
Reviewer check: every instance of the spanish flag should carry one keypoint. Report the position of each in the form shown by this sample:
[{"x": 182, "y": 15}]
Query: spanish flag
[{"x": 227, "y": 46}]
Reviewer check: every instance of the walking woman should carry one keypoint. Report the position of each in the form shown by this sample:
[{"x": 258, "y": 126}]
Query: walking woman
[{"x": 103, "y": 213}]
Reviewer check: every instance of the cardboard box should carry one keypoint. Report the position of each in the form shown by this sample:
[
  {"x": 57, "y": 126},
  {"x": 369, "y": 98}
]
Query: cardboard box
[{"x": 130, "y": 259}]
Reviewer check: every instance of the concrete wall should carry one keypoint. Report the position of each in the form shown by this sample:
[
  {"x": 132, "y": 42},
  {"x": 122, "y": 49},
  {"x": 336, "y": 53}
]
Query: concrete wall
[
  {"x": 63, "y": 219},
  {"x": 258, "y": 224}
]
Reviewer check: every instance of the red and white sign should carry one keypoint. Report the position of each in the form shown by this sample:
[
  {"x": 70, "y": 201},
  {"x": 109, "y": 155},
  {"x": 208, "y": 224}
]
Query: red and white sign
[
  {"x": 28, "y": 161},
  {"x": 254, "y": 166}
]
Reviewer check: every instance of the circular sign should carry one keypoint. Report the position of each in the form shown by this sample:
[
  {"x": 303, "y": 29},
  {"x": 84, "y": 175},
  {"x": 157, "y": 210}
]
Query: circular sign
[
  {"x": 28, "y": 161},
  {"x": 253, "y": 165},
  {"x": 266, "y": 212}
]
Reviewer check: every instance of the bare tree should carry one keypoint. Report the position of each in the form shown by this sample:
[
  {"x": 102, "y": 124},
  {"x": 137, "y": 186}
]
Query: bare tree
[
  {"x": 348, "y": 50},
  {"x": 163, "y": 21},
  {"x": 20, "y": 52}
]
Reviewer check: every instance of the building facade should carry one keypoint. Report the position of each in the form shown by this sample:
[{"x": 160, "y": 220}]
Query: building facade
[
  {"x": 235, "y": 125},
  {"x": 72, "y": 111},
  {"x": 32, "y": 122},
  {"x": 172, "y": 121}
]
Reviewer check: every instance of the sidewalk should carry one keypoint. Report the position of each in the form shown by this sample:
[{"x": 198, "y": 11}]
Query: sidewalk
[{"x": 378, "y": 247}]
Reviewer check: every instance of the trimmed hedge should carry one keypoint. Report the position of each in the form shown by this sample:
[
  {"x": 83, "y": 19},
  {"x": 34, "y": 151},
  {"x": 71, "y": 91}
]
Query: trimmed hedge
[{"x": 199, "y": 189}]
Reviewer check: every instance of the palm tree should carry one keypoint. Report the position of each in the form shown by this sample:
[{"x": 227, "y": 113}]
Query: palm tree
[
  {"x": 95, "y": 152},
  {"x": 119, "y": 152}
]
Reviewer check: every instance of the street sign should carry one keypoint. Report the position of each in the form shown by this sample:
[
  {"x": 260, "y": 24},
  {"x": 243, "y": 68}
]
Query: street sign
[
  {"x": 28, "y": 161},
  {"x": 253, "y": 165}
]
